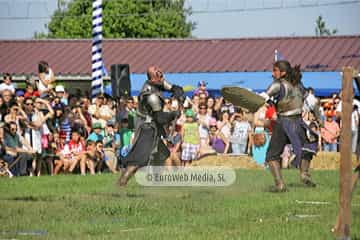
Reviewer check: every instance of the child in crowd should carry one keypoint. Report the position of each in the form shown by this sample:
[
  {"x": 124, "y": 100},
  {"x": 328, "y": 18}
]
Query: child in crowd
[
  {"x": 76, "y": 149},
  {"x": 93, "y": 157},
  {"x": 126, "y": 136},
  {"x": 174, "y": 144},
  {"x": 191, "y": 139}
]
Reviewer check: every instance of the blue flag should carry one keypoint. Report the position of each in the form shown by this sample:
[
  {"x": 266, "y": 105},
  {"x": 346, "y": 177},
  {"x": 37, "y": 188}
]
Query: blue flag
[
  {"x": 104, "y": 71},
  {"x": 278, "y": 56}
]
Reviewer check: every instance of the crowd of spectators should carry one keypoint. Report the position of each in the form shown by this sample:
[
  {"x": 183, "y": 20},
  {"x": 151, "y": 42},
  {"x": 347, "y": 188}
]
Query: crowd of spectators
[{"x": 46, "y": 130}]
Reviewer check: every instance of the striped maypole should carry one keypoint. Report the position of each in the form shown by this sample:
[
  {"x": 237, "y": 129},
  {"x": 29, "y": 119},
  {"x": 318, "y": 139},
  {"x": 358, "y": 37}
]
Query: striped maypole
[{"x": 97, "y": 62}]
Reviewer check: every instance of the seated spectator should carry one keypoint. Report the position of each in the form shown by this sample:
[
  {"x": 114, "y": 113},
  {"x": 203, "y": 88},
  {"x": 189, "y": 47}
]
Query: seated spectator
[
  {"x": 7, "y": 84},
  {"x": 217, "y": 139},
  {"x": 109, "y": 146},
  {"x": 71, "y": 154},
  {"x": 4, "y": 166},
  {"x": 65, "y": 156},
  {"x": 77, "y": 149},
  {"x": 16, "y": 151},
  {"x": 60, "y": 151},
  {"x": 94, "y": 156},
  {"x": 97, "y": 133}
]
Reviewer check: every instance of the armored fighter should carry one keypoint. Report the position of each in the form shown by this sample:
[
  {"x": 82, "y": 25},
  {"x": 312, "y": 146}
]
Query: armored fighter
[
  {"x": 288, "y": 93},
  {"x": 149, "y": 148}
]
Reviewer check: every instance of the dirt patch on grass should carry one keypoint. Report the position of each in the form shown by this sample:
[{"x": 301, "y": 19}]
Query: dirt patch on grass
[{"x": 323, "y": 160}]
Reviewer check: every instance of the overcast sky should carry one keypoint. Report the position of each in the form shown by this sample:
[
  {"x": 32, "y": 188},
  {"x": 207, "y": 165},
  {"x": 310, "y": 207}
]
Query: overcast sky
[{"x": 19, "y": 19}]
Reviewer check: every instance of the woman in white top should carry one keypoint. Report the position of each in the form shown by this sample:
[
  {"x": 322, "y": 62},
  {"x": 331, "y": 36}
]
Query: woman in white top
[
  {"x": 46, "y": 78},
  {"x": 224, "y": 125}
]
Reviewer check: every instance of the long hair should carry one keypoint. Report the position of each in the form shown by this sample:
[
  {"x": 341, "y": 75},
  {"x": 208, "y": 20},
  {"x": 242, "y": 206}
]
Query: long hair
[
  {"x": 43, "y": 66},
  {"x": 293, "y": 74}
]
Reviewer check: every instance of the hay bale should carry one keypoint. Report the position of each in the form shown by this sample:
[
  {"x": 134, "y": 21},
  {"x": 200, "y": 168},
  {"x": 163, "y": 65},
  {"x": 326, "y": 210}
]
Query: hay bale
[
  {"x": 233, "y": 161},
  {"x": 329, "y": 160},
  {"x": 323, "y": 160}
]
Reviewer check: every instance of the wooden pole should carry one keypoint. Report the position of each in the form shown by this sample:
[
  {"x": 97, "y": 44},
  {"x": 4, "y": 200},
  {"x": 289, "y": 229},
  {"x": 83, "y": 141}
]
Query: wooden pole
[{"x": 343, "y": 229}]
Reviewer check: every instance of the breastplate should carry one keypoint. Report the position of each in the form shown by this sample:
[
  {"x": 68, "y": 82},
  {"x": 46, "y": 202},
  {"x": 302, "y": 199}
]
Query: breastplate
[
  {"x": 291, "y": 101},
  {"x": 144, "y": 107}
]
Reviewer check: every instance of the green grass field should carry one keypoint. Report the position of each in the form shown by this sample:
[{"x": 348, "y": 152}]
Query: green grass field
[{"x": 93, "y": 207}]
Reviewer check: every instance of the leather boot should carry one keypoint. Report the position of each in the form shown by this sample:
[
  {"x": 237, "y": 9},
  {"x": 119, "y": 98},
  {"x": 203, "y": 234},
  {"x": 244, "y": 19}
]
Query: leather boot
[
  {"x": 276, "y": 173},
  {"x": 126, "y": 175},
  {"x": 304, "y": 173}
]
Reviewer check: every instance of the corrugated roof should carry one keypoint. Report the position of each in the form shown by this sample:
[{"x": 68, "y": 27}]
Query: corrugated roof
[{"x": 183, "y": 55}]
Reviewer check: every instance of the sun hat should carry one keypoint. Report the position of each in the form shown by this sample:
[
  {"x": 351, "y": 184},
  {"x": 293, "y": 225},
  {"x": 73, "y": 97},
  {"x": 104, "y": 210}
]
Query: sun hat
[
  {"x": 189, "y": 112},
  {"x": 96, "y": 125},
  {"x": 59, "y": 88}
]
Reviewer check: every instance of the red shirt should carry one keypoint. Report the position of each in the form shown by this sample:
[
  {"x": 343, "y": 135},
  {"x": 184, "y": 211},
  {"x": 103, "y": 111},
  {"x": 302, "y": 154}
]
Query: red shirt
[
  {"x": 76, "y": 147},
  {"x": 269, "y": 114},
  {"x": 330, "y": 131},
  {"x": 30, "y": 95}
]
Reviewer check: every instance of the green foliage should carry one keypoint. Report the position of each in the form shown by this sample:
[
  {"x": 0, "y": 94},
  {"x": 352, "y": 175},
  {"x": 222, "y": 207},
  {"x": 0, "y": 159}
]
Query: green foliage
[
  {"x": 123, "y": 19},
  {"x": 92, "y": 207},
  {"x": 321, "y": 29},
  {"x": 40, "y": 35}
]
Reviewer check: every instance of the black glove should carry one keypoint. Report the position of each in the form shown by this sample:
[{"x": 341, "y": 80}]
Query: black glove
[
  {"x": 178, "y": 93},
  {"x": 176, "y": 114}
]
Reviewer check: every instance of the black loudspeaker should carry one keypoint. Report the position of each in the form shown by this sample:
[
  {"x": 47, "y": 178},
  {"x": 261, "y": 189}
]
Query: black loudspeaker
[{"x": 120, "y": 80}]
